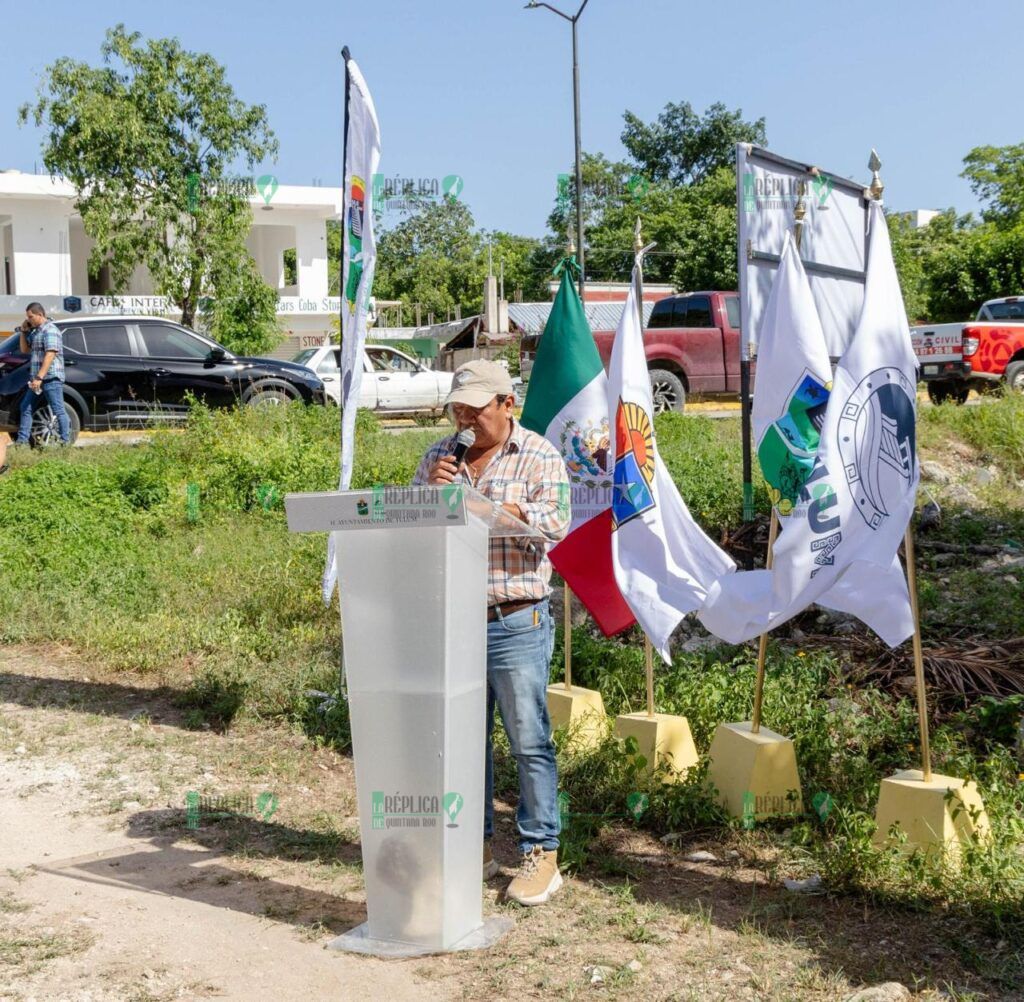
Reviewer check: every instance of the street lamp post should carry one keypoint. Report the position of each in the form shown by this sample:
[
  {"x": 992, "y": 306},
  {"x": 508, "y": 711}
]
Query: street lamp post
[{"x": 576, "y": 121}]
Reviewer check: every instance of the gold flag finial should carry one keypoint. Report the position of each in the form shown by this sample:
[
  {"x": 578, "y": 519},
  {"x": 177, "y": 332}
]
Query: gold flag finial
[
  {"x": 638, "y": 243},
  {"x": 799, "y": 211},
  {"x": 874, "y": 165}
]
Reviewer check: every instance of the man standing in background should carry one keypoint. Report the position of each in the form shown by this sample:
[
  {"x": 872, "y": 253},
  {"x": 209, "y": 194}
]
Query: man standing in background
[{"x": 41, "y": 337}]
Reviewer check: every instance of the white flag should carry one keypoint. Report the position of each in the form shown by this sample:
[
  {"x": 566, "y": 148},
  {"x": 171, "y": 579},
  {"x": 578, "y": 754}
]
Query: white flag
[
  {"x": 362, "y": 156},
  {"x": 851, "y": 507},
  {"x": 664, "y": 563}
]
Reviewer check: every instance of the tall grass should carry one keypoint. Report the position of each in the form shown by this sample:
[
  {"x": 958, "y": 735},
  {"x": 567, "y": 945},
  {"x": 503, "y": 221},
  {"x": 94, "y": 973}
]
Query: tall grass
[
  {"x": 995, "y": 428},
  {"x": 101, "y": 550}
]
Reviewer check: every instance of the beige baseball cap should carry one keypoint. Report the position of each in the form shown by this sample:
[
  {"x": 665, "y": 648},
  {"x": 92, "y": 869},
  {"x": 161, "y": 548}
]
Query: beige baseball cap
[{"x": 478, "y": 382}]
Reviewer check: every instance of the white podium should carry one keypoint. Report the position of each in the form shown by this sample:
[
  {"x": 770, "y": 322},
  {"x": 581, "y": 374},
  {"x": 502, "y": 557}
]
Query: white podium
[{"x": 412, "y": 578}]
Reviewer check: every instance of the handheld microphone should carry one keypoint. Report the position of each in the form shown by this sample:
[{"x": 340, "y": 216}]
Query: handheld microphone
[{"x": 463, "y": 441}]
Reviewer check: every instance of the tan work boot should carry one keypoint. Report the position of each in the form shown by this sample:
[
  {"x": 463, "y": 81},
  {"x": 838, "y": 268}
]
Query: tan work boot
[
  {"x": 490, "y": 863},
  {"x": 538, "y": 877}
]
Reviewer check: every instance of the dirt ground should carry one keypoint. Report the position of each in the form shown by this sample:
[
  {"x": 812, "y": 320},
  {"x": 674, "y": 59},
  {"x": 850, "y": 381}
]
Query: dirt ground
[{"x": 106, "y": 893}]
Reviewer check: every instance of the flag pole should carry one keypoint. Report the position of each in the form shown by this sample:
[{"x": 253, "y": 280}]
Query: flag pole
[
  {"x": 649, "y": 667},
  {"x": 346, "y": 55},
  {"x": 799, "y": 211},
  {"x": 639, "y": 251},
  {"x": 762, "y": 643},
  {"x": 570, "y": 250},
  {"x": 922, "y": 697},
  {"x": 876, "y": 189},
  {"x": 567, "y": 619}
]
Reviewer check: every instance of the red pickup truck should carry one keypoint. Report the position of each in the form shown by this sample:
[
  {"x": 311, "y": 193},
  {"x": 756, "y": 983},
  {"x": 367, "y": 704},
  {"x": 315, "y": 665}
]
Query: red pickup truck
[{"x": 692, "y": 342}]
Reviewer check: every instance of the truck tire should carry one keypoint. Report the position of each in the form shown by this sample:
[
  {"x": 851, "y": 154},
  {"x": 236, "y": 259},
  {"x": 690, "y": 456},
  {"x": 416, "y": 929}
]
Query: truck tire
[
  {"x": 940, "y": 391},
  {"x": 1015, "y": 376},
  {"x": 667, "y": 391}
]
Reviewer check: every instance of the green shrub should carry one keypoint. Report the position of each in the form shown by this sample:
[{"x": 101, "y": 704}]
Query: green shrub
[{"x": 995, "y": 428}]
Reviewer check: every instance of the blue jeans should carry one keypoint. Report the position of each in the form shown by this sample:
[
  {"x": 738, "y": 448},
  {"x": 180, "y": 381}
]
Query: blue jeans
[
  {"x": 53, "y": 394},
  {"x": 518, "y": 660}
]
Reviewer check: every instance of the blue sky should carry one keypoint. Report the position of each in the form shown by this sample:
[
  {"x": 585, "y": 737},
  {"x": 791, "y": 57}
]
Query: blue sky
[{"x": 482, "y": 88}]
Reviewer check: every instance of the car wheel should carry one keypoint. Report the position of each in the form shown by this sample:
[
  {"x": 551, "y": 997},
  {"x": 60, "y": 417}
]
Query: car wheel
[
  {"x": 268, "y": 396},
  {"x": 940, "y": 392},
  {"x": 1015, "y": 376},
  {"x": 667, "y": 391},
  {"x": 45, "y": 430}
]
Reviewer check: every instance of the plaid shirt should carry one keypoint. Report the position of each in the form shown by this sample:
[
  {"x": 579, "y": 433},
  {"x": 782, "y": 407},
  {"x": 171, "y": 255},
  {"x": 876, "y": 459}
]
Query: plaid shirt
[
  {"x": 41, "y": 340},
  {"x": 528, "y": 471}
]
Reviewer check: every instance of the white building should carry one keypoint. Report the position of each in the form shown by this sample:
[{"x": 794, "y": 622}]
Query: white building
[
  {"x": 919, "y": 218},
  {"x": 44, "y": 254}
]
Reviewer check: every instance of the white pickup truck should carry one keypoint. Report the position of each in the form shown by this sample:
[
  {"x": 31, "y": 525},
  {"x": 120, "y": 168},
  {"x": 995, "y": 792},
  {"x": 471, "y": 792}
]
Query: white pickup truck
[
  {"x": 981, "y": 354},
  {"x": 393, "y": 383}
]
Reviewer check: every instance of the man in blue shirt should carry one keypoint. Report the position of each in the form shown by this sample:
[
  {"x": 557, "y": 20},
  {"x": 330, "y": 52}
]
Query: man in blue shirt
[{"x": 41, "y": 337}]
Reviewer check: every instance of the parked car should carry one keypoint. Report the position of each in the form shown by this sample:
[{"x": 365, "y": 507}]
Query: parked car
[
  {"x": 128, "y": 371},
  {"x": 980, "y": 354},
  {"x": 692, "y": 343},
  {"x": 393, "y": 382}
]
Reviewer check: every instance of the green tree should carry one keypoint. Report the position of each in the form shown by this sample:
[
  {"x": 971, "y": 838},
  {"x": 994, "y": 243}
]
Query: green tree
[
  {"x": 996, "y": 176},
  {"x": 682, "y": 147},
  {"x": 982, "y": 262},
  {"x": 694, "y": 227},
  {"x": 428, "y": 258},
  {"x": 242, "y": 298},
  {"x": 435, "y": 257},
  {"x": 680, "y": 181},
  {"x": 147, "y": 140}
]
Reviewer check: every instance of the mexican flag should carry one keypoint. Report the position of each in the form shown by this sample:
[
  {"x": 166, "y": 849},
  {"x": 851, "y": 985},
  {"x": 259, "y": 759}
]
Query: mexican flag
[{"x": 567, "y": 403}]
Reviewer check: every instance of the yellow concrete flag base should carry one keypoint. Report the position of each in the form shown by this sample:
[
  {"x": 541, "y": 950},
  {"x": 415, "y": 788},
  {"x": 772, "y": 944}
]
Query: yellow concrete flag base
[
  {"x": 934, "y": 812},
  {"x": 754, "y": 772},
  {"x": 752, "y": 768},
  {"x": 661, "y": 738},
  {"x": 939, "y": 813},
  {"x": 577, "y": 711},
  {"x": 580, "y": 712}
]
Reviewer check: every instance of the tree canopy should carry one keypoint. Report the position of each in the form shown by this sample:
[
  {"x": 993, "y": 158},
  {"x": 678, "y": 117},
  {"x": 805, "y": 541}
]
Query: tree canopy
[
  {"x": 149, "y": 139},
  {"x": 679, "y": 179},
  {"x": 436, "y": 257},
  {"x": 682, "y": 147}
]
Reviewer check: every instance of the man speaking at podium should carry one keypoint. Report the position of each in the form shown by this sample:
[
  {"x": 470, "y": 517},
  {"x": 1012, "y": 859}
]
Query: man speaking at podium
[{"x": 525, "y": 473}]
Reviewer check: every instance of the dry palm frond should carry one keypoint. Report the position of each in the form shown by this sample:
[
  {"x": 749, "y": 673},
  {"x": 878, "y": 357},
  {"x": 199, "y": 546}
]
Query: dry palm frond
[{"x": 957, "y": 671}]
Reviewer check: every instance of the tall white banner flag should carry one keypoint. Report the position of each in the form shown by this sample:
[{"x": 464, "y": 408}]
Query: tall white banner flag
[
  {"x": 359, "y": 258},
  {"x": 842, "y": 472},
  {"x": 664, "y": 563}
]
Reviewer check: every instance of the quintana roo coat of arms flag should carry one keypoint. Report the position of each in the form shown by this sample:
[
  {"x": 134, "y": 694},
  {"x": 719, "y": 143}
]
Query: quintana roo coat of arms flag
[
  {"x": 838, "y": 457},
  {"x": 664, "y": 563},
  {"x": 359, "y": 246},
  {"x": 567, "y": 403}
]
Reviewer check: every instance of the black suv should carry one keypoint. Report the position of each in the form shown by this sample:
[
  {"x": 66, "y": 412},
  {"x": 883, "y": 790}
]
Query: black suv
[{"x": 123, "y": 372}]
